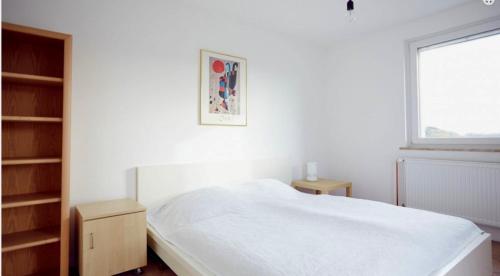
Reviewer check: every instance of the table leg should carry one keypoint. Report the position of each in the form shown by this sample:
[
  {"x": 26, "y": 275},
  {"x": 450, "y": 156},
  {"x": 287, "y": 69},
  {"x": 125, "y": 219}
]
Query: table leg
[{"x": 348, "y": 191}]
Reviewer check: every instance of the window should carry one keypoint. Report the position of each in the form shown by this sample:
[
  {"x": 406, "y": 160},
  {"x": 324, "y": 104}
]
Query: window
[{"x": 454, "y": 87}]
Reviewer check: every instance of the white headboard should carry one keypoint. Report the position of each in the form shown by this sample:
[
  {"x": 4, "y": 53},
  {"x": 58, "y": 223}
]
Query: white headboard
[{"x": 158, "y": 182}]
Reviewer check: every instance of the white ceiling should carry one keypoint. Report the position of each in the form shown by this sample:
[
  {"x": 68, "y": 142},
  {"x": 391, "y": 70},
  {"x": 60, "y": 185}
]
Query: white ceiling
[{"x": 322, "y": 21}]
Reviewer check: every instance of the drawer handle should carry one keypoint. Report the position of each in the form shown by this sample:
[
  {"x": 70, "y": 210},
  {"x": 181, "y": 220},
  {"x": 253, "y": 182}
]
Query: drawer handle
[{"x": 91, "y": 240}]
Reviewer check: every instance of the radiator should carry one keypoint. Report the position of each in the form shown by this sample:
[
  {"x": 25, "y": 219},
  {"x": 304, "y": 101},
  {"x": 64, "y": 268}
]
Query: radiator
[{"x": 466, "y": 189}]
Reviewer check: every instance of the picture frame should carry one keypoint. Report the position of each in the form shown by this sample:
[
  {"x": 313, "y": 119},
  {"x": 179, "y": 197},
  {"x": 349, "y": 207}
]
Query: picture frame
[{"x": 223, "y": 89}]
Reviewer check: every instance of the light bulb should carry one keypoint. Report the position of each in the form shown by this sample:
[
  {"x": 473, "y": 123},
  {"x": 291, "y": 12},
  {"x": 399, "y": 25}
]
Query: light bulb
[{"x": 350, "y": 11}]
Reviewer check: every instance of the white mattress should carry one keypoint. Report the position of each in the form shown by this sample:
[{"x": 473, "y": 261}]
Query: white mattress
[{"x": 267, "y": 228}]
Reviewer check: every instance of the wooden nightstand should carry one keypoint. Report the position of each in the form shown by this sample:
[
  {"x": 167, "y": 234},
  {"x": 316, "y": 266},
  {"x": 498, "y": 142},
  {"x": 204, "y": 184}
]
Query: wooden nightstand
[
  {"x": 324, "y": 186},
  {"x": 112, "y": 237}
]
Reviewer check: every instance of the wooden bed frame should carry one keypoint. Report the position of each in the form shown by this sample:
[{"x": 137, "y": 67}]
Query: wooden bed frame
[{"x": 157, "y": 183}]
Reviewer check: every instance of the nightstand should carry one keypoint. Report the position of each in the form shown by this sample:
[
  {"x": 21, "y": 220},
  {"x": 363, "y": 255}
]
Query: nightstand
[
  {"x": 112, "y": 237},
  {"x": 324, "y": 186}
]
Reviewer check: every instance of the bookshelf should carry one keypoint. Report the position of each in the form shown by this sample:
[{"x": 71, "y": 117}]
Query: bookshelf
[{"x": 36, "y": 82}]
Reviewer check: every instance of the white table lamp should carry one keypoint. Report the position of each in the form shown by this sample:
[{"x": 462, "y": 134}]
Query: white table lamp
[{"x": 312, "y": 171}]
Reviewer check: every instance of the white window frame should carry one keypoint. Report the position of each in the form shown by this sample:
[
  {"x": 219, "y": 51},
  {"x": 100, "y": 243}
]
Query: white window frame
[{"x": 464, "y": 33}]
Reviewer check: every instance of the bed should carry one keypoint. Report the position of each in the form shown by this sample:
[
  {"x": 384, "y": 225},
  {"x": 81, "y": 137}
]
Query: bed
[{"x": 368, "y": 247}]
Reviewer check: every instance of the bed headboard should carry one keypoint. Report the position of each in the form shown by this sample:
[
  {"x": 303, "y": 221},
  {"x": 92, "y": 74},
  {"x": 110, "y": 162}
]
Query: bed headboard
[{"x": 158, "y": 182}]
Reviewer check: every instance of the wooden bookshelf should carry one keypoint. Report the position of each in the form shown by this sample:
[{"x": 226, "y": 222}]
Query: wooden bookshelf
[
  {"x": 36, "y": 89},
  {"x": 33, "y": 79}
]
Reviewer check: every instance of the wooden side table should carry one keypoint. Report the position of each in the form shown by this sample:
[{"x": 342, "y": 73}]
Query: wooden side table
[
  {"x": 324, "y": 186},
  {"x": 112, "y": 237}
]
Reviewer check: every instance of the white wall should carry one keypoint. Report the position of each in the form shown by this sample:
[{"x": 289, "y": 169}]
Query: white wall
[
  {"x": 135, "y": 88},
  {"x": 364, "y": 105}
]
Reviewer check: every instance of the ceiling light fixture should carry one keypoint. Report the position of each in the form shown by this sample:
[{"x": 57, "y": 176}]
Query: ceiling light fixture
[{"x": 350, "y": 11}]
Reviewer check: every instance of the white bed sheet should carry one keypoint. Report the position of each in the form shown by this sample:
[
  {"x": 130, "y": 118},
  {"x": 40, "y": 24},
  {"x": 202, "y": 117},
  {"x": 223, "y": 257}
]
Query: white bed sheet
[{"x": 267, "y": 228}]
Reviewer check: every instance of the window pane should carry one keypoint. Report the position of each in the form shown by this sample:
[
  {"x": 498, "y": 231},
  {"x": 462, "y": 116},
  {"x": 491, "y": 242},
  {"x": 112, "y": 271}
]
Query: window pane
[{"x": 459, "y": 89}]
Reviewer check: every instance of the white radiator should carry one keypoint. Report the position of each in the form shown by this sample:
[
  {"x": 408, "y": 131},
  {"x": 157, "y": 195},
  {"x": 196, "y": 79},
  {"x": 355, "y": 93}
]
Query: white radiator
[{"x": 466, "y": 189}]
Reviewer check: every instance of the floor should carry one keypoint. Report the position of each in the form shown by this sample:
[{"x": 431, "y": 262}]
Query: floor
[{"x": 157, "y": 267}]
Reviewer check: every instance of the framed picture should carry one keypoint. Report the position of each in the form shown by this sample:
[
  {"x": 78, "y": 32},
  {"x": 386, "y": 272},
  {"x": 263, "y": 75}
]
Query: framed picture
[{"x": 223, "y": 89}]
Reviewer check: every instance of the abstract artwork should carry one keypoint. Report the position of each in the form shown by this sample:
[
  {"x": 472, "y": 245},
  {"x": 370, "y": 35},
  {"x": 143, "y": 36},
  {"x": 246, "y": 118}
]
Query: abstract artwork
[{"x": 223, "y": 89}]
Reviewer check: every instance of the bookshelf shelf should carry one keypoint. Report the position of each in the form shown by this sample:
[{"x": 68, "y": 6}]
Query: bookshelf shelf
[
  {"x": 31, "y": 79},
  {"x": 25, "y": 239},
  {"x": 14, "y": 201},
  {"x": 32, "y": 119}
]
